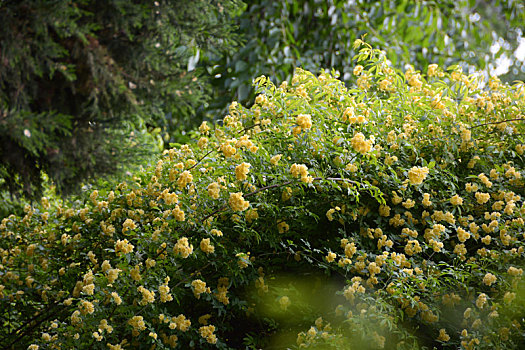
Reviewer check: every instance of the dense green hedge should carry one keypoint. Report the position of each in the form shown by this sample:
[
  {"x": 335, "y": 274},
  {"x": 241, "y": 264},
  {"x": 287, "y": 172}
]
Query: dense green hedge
[{"x": 386, "y": 215}]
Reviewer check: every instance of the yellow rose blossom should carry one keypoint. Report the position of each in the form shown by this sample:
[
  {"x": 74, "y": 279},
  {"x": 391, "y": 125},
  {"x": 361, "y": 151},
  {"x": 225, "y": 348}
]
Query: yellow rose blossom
[
  {"x": 282, "y": 227},
  {"x": 358, "y": 70},
  {"x": 199, "y": 287},
  {"x": 456, "y": 200},
  {"x": 204, "y": 128},
  {"x": 275, "y": 159},
  {"x": 206, "y": 246},
  {"x": 184, "y": 179},
  {"x": 123, "y": 247},
  {"x": 304, "y": 121},
  {"x": 489, "y": 279},
  {"x": 237, "y": 202},
  {"x": 183, "y": 248},
  {"x": 416, "y": 175},
  {"x": 331, "y": 257},
  {"x": 360, "y": 143},
  {"x": 241, "y": 171},
  {"x": 207, "y": 333},
  {"x": 128, "y": 225},
  {"x": 213, "y": 190},
  {"x": 481, "y": 197},
  {"x": 301, "y": 170},
  {"x": 148, "y": 296}
]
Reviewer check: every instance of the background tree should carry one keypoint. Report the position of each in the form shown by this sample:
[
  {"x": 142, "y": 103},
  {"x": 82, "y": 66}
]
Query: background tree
[
  {"x": 88, "y": 87},
  {"x": 315, "y": 34}
]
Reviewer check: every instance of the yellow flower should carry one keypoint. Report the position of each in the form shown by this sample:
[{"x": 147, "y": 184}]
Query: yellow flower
[
  {"x": 199, "y": 287},
  {"x": 204, "y": 128},
  {"x": 456, "y": 200},
  {"x": 241, "y": 171},
  {"x": 416, "y": 175},
  {"x": 284, "y": 302},
  {"x": 431, "y": 71},
  {"x": 481, "y": 197},
  {"x": 88, "y": 289},
  {"x": 216, "y": 232},
  {"x": 148, "y": 296},
  {"x": 251, "y": 215},
  {"x": 183, "y": 247},
  {"x": 237, "y": 202},
  {"x": 275, "y": 159},
  {"x": 384, "y": 210},
  {"x": 286, "y": 194},
  {"x": 138, "y": 324},
  {"x": 86, "y": 307},
  {"x": 206, "y": 246},
  {"x": 481, "y": 300},
  {"x": 282, "y": 227},
  {"x": 228, "y": 150},
  {"x": 213, "y": 190},
  {"x": 116, "y": 298},
  {"x": 513, "y": 271},
  {"x": 207, "y": 333},
  {"x": 489, "y": 279},
  {"x": 462, "y": 234},
  {"x": 184, "y": 179},
  {"x": 128, "y": 225},
  {"x": 123, "y": 247},
  {"x": 178, "y": 214},
  {"x": 360, "y": 143},
  {"x": 331, "y": 257},
  {"x": 358, "y": 69},
  {"x": 301, "y": 170},
  {"x": 203, "y": 142},
  {"x": 304, "y": 121}
]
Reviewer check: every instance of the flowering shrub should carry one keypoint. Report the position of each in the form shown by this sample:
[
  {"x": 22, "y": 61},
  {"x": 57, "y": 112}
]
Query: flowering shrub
[{"x": 389, "y": 215}]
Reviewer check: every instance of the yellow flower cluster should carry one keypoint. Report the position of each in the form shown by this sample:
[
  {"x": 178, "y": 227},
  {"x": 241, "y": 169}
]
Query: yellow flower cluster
[
  {"x": 301, "y": 170},
  {"x": 360, "y": 143},
  {"x": 222, "y": 291},
  {"x": 206, "y": 246},
  {"x": 164, "y": 291},
  {"x": 128, "y": 225},
  {"x": 213, "y": 190},
  {"x": 489, "y": 279},
  {"x": 482, "y": 197},
  {"x": 241, "y": 171},
  {"x": 275, "y": 159},
  {"x": 416, "y": 175},
  {"x": 207, "y": 333},
  {"x": 123, "y": 247},
  {"x": 284, "y": 302},
  {"x": 282, "y": 227},
  {"x": 199, "y": 287},
  {"x": 228, "y": 150},
  {"x": 183, "y": 248},
  {"x": 304, "y": 121},
  {"x": 185, "y": 178},
  {"x": 138, "y": 324},
  {"x": 237, "y": 202},
  {"x": 456, "y": 200},
  {"x": 148, "y": 296}
]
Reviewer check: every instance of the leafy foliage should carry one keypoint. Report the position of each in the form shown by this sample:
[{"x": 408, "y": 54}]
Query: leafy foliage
[
  {"x": 384, "y": 215},
  {"x": 313, "y": 34}
]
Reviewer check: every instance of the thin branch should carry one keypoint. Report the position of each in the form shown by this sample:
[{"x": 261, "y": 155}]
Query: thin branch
[
  {"x": 500, "y": 122},
  {"x": 202, "y": 158}
]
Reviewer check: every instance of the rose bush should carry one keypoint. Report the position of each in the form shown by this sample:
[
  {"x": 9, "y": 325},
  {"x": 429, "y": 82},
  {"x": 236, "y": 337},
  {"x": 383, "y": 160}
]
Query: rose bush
[{"x": 386, "y": 215}]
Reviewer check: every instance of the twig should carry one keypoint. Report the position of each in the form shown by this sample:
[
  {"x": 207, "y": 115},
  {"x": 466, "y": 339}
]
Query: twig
[{"x": 500, "y": 122}]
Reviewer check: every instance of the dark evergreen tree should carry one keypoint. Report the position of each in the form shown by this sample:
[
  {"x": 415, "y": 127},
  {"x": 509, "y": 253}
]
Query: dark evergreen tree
[{"x": 86, "y": 86}]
